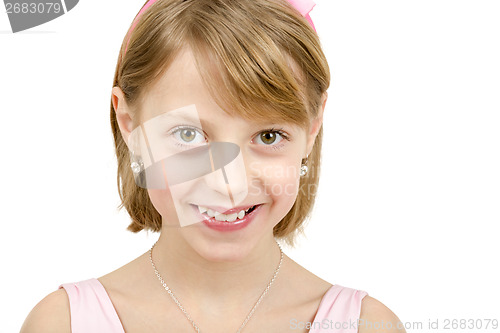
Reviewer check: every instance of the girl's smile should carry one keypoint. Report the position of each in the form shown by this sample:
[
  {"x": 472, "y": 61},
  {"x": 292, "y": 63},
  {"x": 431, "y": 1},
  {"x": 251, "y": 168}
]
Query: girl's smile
[{"x": 227, "y": 222}]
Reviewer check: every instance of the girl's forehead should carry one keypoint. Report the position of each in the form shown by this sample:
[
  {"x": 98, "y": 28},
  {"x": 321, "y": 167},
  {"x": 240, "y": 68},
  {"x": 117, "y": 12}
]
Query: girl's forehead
[
  {"x": 210, "y": 120},
  {"x": 182, "y": 85},
  {"x": 175, "y": 103},
  {"x": 181, "y": 78}
]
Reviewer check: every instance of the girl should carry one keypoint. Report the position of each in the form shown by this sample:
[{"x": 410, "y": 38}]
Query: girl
[{"x": 216, "y": 112}]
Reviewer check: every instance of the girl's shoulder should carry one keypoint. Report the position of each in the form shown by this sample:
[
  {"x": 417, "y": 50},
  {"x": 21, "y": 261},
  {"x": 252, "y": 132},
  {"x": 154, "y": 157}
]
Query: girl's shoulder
[
  {"x": 51, "y": 314},
  {"x": 375, "y": 316}
]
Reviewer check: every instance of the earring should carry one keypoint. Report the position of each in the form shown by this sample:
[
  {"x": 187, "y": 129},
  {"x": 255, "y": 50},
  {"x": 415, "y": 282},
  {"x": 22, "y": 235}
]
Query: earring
[
  {"x": 304, "y": 168},
  {"x": 136, "y": 167},
  {"x": 136, "y": 163}
]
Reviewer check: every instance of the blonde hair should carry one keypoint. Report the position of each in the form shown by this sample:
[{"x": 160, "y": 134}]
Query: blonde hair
[{"x": 262, "y": 55}]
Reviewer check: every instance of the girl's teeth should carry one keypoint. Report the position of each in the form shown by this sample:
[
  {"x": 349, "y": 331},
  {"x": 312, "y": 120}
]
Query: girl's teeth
[
  {"x": 211, "y": 213},
  {"x": 222, "y": 217},
  {"x": 231, "y": 217}
]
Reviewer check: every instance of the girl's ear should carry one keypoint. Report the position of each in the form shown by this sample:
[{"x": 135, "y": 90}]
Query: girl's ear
[
  {"x": 316, "y": 125},
  {"x": 122, "y": 113}
]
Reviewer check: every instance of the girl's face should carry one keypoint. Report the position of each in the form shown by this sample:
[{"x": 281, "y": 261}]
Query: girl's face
[{"x": 261, "y": 167}]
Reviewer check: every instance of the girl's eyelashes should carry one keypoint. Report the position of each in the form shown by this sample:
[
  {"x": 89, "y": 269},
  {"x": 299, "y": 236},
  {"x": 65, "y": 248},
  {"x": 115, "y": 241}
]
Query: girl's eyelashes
[{"x": 272, "y": 138}]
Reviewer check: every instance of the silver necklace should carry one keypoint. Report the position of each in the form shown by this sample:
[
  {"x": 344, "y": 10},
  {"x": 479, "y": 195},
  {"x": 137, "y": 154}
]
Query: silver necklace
[{"x": 185, "y": 312}]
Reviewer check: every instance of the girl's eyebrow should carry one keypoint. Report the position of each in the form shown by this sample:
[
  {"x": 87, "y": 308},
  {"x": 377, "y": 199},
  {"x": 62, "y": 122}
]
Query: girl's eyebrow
[
  {"x": 185, "y": 117},
  {"x": 206, "y": 123},
  {"x": 273, "y": 124},
  {"x": 186, "y": 113}
]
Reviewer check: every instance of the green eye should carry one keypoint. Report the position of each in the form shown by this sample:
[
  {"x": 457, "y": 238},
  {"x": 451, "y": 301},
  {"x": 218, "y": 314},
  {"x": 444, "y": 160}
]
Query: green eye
[{"x": 187, "y": 134}]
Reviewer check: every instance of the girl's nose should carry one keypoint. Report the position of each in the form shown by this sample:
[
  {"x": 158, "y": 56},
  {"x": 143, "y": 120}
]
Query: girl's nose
[{"x": 229, "y": 175}]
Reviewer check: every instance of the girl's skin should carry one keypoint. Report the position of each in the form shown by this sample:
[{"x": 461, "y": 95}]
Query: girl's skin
[{"x": 217, "y": 276}]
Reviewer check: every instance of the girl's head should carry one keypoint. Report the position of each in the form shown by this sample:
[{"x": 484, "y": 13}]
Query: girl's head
[{"x": 248, "y": 66}]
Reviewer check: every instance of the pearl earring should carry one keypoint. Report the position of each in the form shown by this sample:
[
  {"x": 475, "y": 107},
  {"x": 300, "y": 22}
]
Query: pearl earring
[
  {"x": 304, "y": 168},
  {"x": 136, "y": 163},
  {"x": 136, "y": 167}
]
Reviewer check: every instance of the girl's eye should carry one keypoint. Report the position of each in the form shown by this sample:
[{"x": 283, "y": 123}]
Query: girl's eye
[
  {"x": 187, "y": 135},
  {"x": 272, "y": 138}
]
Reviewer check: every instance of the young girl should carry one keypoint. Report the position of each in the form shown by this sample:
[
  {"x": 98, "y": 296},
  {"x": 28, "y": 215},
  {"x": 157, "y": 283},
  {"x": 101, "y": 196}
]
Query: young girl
[{"x": 216, "y": 113}]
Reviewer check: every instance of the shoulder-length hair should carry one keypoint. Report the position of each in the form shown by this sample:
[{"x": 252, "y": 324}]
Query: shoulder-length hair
[{"x": 259, "y": 57}]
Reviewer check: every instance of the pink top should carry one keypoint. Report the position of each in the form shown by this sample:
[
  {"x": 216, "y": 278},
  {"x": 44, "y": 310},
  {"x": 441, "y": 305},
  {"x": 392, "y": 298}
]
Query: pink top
[{"x": 92, "y": 310}]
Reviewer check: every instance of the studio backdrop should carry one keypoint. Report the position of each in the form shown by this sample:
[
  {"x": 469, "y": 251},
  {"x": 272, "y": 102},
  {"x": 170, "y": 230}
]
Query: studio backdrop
[{"x": 408, "y": 203}]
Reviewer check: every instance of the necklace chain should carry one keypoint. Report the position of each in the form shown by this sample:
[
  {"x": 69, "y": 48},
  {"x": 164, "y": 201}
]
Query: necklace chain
[{"x": 184, "y": 310}]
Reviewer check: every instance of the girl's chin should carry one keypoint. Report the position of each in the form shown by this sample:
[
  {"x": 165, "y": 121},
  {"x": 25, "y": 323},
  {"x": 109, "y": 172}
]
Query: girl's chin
[
  {"x": 220, "y": 241},
  {"x": 218, "y": 252}
]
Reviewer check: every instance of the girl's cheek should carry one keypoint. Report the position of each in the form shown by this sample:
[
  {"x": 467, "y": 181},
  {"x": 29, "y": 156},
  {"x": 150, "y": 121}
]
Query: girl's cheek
[
  {"x": 275, "y": 182},
  {"x": 284, "y": 187},
  {"x": 162, "y": 202},
  {"x": 281, "y": 190}
]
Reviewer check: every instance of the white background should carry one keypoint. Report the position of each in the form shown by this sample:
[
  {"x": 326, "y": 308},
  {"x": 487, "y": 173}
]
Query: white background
[{"x": 408, "y": 206}]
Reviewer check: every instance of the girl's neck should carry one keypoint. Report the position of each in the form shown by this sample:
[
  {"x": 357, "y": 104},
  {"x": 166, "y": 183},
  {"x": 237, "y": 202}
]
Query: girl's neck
[{"x": 225, "y": 274}]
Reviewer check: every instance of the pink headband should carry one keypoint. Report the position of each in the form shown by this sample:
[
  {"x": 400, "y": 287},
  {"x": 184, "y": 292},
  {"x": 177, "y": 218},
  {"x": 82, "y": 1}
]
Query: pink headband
[{"x": 303, "y": 6}]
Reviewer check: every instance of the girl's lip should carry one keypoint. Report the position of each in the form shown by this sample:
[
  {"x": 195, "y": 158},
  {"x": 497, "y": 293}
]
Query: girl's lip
[{"x": 212, "y": 223}]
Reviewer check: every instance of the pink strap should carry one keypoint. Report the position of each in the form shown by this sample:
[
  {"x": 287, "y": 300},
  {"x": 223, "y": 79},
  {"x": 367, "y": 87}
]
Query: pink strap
[
  {"x": 339, "y": 310},
  {"x": 91, "y": 308},
  {"x": 303, "y": 6}
]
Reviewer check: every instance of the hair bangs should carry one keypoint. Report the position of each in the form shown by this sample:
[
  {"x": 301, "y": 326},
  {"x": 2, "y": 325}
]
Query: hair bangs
[{"x": 246, "y": 72}]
